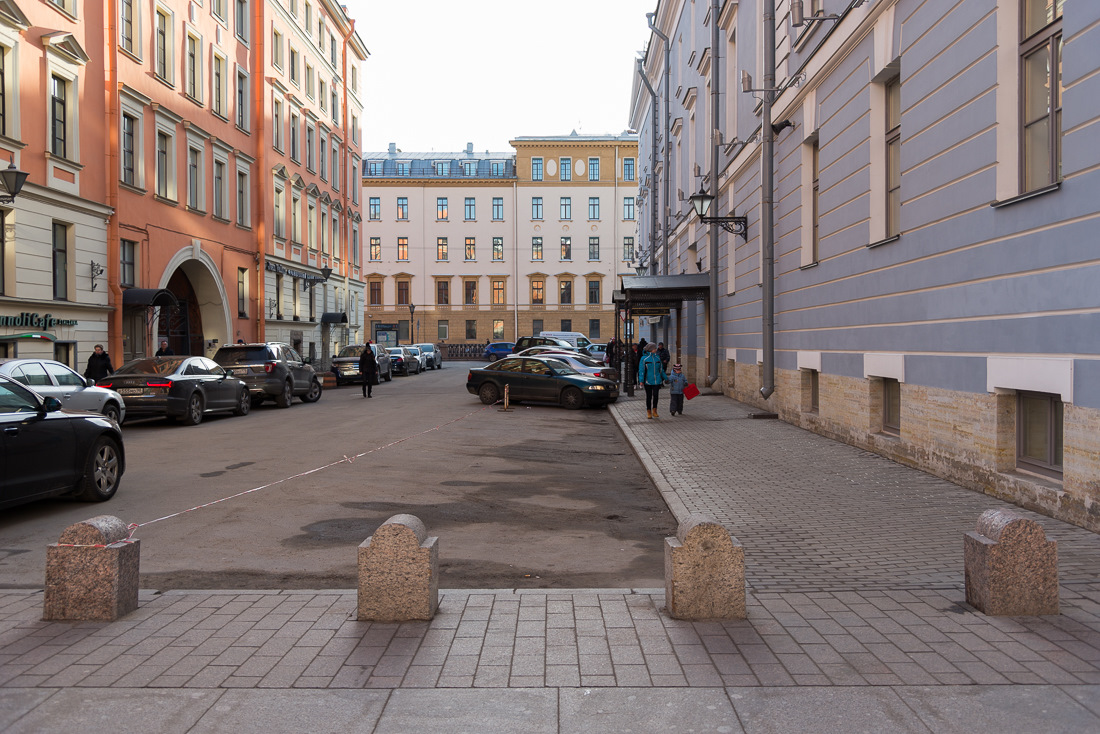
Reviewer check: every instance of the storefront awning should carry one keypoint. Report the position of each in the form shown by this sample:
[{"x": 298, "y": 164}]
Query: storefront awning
[
  {"x": 334, "y": 317},
  {"x": 667, "y": 291},
  {"x": 149, "y": 297}
]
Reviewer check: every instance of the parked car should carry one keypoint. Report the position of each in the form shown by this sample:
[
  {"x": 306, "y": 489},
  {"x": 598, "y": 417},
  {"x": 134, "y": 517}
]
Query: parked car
[
  {"x": 597, "y": 351},
  {"x": 433, "y": 355},
  {"x": 526, "y": 342},
  {"x": 575, "y": 338},
  {"x": 580, "y": 362},
  {"x": 541, "y": 379},
  {"x": 50, "y": 378},
  {"x": 498, "y": 350},
  {"x": 272, "y": 370},
  {"x": 178, "y": 387},
  {"x": 403, "y": 362},
  {"x": 420, "y": 357},
  {"x": 346, "y": 364},
  {"x": 50, "y": 452}
]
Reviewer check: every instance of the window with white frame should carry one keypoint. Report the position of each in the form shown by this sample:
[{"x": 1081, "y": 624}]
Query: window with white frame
[
  {"x": 129, "y": 28},
  {"x": 8, "y": 92},
  {"x": 163, "y": 45},
  {"x": 322, "y": 156},
  {"x": 276, "y": 49},
  {"x": 243, "y": 99},
  {"x": 324, "y": 231},
  {"x": 165, "y": 164},
  {"x": 536, "y": 207},
  {"x": 195, "y": 175},
  {"x": 536, "y": 169},
  {"x": 217, "y": 9},
  {"x": 1041, "y": 93},
  {"x": 219, "y": 86},
  {"x": 322, "y": 93},
  {"x": 294, "y": 67},
  {"x": 374, "y": 208},
  {"x": 335, "y": 167},
  {"x": 353, "y": 167},
  {"x": 193, "y": 83},
  {"x": 221, "y": 186},
  {"x": 498, "y": 208},
  {"x": 334, "y": 106},
  {"x": 295, "y": 133},
  {"x": 61, "y": 108},
  {"x": 132, "y": 139},
  {"x": 280, "y": 215},
  {"x": 628, "y": 207},
  {"x": 241, "y": 18},
  {"x": 309, "y": 81},
  {"x": 628, "y": 169},
  {"x": 593, "y": 207},
  {"x": 375, "y": 253},
  {"x": 127, "y": 252},
  {"x": 244, "y": 197},
  {"x": 565, "y": 169},
  {"x": 356, "y": 256},
  {"x": 296, "y": 219},
  {"x": 311, "y": 225},
  {"x": 277, "y": 124},
  {"x": 128, "y": 144},
  {"x": 311, "y": 161},
  {"x": 593, "y": 169},
  {"x": 335, "y": 236},
  {"x": 893, "y": 157}
]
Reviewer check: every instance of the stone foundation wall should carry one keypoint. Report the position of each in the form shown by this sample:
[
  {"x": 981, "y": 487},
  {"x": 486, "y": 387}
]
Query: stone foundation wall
[{"x": 966, "y": 438}]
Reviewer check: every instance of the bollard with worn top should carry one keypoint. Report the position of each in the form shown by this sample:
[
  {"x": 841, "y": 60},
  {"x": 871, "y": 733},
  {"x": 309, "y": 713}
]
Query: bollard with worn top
[
  {"x": 704, "y": 571},
  {"x": 398, "y": 572},
  {"x": 92, "y": 572},
  {"x": 1011, "y": 567}
]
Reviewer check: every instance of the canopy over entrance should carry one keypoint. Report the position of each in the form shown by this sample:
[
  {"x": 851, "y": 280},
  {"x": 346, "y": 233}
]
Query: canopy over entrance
[{"x": 662, "y": 291}]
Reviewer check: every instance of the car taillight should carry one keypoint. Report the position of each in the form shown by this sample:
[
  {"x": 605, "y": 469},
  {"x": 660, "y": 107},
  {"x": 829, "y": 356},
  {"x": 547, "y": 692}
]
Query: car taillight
[
  {"x": 269, "y": 367},
  {"x": 105, "y": 384},
  {"x": 469, "y": 377},
  {"x": 159, "y": 384}
]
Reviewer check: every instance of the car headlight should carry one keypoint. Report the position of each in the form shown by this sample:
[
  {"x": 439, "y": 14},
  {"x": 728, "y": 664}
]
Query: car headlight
[{"x": 597, "y": 387}]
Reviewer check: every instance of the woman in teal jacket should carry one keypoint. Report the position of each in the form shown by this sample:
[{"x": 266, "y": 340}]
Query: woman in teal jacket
[{"x": 651, "y": 373}]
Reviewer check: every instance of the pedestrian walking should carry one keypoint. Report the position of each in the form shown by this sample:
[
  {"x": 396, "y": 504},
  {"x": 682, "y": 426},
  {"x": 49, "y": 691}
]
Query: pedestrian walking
[
  {"x": 664, "y": 356},
  {"x": 652, "y": 376},
  {"x": 676, "y": 384},
  {"x": 99, "y": 364},
  {"x": 632, "y": 353},
  {"x": 368, "y": 368},
  {"x": 165, "y": 350}
]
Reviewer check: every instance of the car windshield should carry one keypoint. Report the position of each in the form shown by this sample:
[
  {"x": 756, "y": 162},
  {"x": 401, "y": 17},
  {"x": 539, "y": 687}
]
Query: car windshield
[
  {"x": 588, "y": 361},
  {"x": 241, "y": 355},
  {"x": 561, "y": 368},
  {"x": 395, "y": 351},
  {"x": 427, "y": 348},
  {"x": 353, "y": 350},
  {"x": 156, "y": 366},
  {"x": 414, "y": 350}
]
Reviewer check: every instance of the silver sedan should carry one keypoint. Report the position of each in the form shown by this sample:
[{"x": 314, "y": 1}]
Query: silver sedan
[{"x": 53, "y": 379}]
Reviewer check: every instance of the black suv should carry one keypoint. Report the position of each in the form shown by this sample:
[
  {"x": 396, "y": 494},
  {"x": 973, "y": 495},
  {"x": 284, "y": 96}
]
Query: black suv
[
  {"x": 271, "y": 370},
  {"x": 346, "y": 364},
  {"x": 526, "y": 342}
]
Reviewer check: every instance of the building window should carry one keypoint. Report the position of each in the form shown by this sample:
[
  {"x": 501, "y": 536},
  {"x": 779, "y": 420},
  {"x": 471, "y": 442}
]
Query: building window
[
  {"x": 1039, "y": 432},
  {"x": 60, "y": 261},
  {"x": 815, "y": 198},
  {"x": 375, "y": 293},
  {"x": 537, "y": 293},
  {"x": 593, "y": 207},
  {"x": 441, "y": 208},
  {"x": 498, "y": 249},
  {"x": 242, "y": 100},
  {"x": 471, "y": 329},
  {"x": 565, "y": 292},
  {"x": 375, "y": 248},
  {"x": 402, "y": 207},
  {"x": 891, "y": 406},
  {"x": 322, "y": 157},
  {"x": 402, "y": 248},
  {"x": 536, "y": 207},
  {"x": 128, "y": 262},
  {"x": 893, "y": 157},
  {"x": 294, "y": 68},
  {"x": 244, "y": 194},
  {"x": 3, "y": 90},
  {"x": 59, "y": 117},
  {"x": 242, "y": 20},
  {"x": 628, "y": 207},
  {"x": 126, "y": 31},
  {"x": 498, "y": 293},
  {"x": 442, "y": 168},
  {"x": 536, "y": 248},
  {"x": 276, "y": 49},
  {"x": 402, "y": 168},
  {"x": 311, "y": 226},
  {"x": 536, "y": 169},
  {"x": 440, "y": 248},
  {"x": 469, "y": 168},
  {"x": 628, "y": 249},
  {"x": 471, "y": 248},
  {"x": 242, "y": 292},
  {"x": 565, "y": 169},
  {"x": 565, "y": 207},
  {"x": 498, "y": 208},
  {"x": 593, "y": 248},
  {"x": 498, "y": 328},
  {"x": 295, "y": 138},
  {"x": 593, "y": 169},
  {"x": 194, "y": 83},
  {"x": 221, "y": 203},
  {"x": 443, "y": 292},
  {"x": 496, "y": 169},
  {"x": 469, "y": 292},
  {"x": 442, "y": 330},
  {"x": 1041, "y": 74},
  {"x": 566, "y": 248},
  {"x": 536, "y": 326},
  {"x": 335, "y": 170},
  {"x": 324, "y": 231},
  {"x": 164, "y": 164},
  {"x": 220, "y": 87},
  {"x": 355, "y": 255},
  {"x": 593, "y": 292},
  {"x": 280, "y": 216},
  {"x": 194, "y": 179},
  {"x": 593, "y": 328},
  {"x": 277, "y": 124},
  {"x": 311, "y": 161},
  {"x": 566, "y": 325},
  {"x": 374, "y": 208},
  {"x": 129, "y": 133},
  {"x": 471, "y": 209},
  {"x": 628, "y": 169},
  {"x": 402, "y": 293},
  {"x": 163, "y": 45}
]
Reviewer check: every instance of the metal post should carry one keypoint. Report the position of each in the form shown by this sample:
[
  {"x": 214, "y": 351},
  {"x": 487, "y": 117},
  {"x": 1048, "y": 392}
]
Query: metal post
[{"x": 767, "y": 233}]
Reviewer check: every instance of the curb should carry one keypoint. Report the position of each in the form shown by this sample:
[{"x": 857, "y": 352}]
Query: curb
[{"x": 672, "y": 499}]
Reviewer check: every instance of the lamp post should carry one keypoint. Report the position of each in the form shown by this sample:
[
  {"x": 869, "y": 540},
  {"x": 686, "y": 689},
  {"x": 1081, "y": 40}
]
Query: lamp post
[
  {"x": 412, "y": 313},
  {"x": 13, "y": 180},
  {"x": 702, "y": 201}
]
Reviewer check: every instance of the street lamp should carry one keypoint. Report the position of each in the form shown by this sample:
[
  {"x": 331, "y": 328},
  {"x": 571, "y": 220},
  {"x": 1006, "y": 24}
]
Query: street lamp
[
  {"x": 13, "y": 180},
  {"x": 412, "y": 314},
  {"x": 734, "y": 225}
]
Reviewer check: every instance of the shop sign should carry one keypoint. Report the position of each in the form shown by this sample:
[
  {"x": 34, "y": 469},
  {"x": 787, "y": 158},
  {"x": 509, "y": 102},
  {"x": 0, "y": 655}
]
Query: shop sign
[{"x": 28, "y": 320}]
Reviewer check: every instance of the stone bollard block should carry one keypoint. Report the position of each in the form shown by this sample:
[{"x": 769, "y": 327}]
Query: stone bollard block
[
  {"x": 1011, "y": 568},
  {"x": 398, "y": 572},
  {"x": 92, "y": 572},
  {"x": 704, "y": 572}
]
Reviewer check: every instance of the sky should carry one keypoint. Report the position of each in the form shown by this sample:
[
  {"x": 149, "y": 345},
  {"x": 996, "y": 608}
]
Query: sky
[{"x": 444, "y": 73}]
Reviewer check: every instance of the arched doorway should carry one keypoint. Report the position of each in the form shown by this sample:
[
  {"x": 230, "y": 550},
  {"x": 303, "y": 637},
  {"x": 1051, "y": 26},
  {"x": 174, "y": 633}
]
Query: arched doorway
[
  {"x": 201, "y": 323},
  {"x": 182, "y": 328}
]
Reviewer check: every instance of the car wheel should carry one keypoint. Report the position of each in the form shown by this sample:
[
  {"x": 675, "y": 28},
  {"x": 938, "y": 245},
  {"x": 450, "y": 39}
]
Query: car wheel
[
  {"x": 489, "y": 393},
  {"x": 389, "y": 376},
  {"x": 244, "y": 403},
  {"x": 111, "y": 411},
  {"x": 102, "y": 471},
  {"x": 193, "y": 416},
  {"x": 572, "y": 398},
  {"x": 314, "y": 393},
  {"x": 283, "y": 399}
]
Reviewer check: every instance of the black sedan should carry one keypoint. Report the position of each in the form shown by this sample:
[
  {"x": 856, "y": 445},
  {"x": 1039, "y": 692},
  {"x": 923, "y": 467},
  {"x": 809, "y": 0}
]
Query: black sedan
[
  {"x": 46, "y": 451},
  {"x": 403, "y": 361},
  {"x": 540, "y": 379},
  {"x": 178, "y": 387}
]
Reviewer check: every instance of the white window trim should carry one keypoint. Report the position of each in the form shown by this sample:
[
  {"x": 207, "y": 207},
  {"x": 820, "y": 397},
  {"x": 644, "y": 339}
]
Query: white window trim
[
  {"x": 277, "y": 43},
  {"x": 70, "y": 73},
  {"x": 133, "y": 104},
  {"x": 166, "y": 123},
  {"x": 192, "y": 32},
  {"x": 246, "y": 169},
  {"x": 219, "y": 106},
  {"x": 170, "y": 45},
  {"x": 221, "y": 155},
  {"x": 246, "y": 37},
  {"x": 883, "y": 364},
  {"x": 295, "y": 151},
  {"x": 197, "y": 139},
  {"x": 1032, "y": 374},
  {"x": 138, "y": 8},
  {"x": 245, "y": 118},
  {"x": 278, "y": 124}
]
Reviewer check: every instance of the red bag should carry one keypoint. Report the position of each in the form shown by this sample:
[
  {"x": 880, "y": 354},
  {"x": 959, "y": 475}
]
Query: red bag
[{"x": 691, "y": 391}]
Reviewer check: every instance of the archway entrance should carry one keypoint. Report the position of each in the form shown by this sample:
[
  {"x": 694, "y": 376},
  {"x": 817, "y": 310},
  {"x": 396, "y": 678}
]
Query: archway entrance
[
  {"x": 201, "y": 323},
  {"x": 183, "y": 326}
]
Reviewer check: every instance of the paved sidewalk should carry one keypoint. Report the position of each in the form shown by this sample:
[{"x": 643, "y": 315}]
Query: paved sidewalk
[{"x": 856, "y": 622}]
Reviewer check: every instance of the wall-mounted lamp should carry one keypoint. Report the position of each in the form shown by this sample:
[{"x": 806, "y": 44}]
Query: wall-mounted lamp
[
  {"x": 308, "y": 283},
  {"x": 778, "y": 127},
  {"x": 13, "y": 180},
  {"x": 97, "y": 270},
  {"x": 734, "y": 225}
]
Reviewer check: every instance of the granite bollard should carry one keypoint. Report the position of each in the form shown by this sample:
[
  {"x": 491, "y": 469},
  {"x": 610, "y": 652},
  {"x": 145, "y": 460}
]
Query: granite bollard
[
  {"x": 1011, "y": 568},
  {"x": 398, "y": 572},
  {"x": 92, "y": 572},
  {"x": 704, "y": 572}
]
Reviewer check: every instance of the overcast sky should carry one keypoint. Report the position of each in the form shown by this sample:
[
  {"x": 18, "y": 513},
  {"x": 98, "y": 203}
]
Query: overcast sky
[{"x": 442, "y": 73}]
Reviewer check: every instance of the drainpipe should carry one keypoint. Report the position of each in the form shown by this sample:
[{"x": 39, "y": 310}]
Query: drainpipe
[
  {"x": 668, "y": 121},
  {"x": 767, "y": 233},
  {"x": 712, "y": 332},
  {"x": 114, "y": 265},
  {"x": 259, "y": 125},
  {"x": 652, "y": 164}
]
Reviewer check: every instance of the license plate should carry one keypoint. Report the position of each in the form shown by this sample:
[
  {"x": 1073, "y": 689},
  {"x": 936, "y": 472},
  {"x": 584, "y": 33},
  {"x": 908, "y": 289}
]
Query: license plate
[{"x": 131, "y": 391}]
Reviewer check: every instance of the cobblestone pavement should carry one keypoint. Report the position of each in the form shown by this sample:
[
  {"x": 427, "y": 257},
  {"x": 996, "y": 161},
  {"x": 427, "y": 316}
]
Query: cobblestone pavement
[{"x": 856, "y": 622}]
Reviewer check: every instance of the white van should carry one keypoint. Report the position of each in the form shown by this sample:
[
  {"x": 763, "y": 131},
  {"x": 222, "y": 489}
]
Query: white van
[{"x": 575, "y": 338}]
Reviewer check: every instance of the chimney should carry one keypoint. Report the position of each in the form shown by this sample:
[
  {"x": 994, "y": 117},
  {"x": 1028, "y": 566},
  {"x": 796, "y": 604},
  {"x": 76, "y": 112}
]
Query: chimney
[
  {"x": 469, "y": 148},
  {"x": 393, "y": 148}
]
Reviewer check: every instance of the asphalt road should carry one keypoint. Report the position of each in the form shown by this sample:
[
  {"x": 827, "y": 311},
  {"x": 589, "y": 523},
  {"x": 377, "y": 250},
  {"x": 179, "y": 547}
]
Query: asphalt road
[{"x": 539, "y": 497}]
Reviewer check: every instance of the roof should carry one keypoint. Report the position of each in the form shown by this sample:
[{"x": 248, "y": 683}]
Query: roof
[{"x": 664, "y": 290}]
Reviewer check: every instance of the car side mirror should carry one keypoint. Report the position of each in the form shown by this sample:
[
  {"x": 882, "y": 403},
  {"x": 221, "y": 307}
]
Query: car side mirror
[
  {"x": 51, "y": 405},
  {"x": 89, "y": 382}
]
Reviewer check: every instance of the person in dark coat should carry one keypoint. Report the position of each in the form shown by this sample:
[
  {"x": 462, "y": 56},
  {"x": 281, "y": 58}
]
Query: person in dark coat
[
  {"x": 99, "y": 364},
  {"x": 368, "y": 368},
  {"x": 664, "y": 355},
  {"x": 165, "y": 350}
]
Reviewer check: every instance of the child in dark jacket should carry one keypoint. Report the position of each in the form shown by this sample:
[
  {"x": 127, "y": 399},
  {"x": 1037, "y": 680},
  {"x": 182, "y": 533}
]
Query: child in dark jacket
[{"x": 677, "y": 382}]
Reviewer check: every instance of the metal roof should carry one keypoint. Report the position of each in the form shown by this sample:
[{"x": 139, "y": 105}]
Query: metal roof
[{"x": 664, "y": 290}]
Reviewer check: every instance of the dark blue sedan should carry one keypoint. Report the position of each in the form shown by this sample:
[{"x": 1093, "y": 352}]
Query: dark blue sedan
[{"x": 498, "y": 350}]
